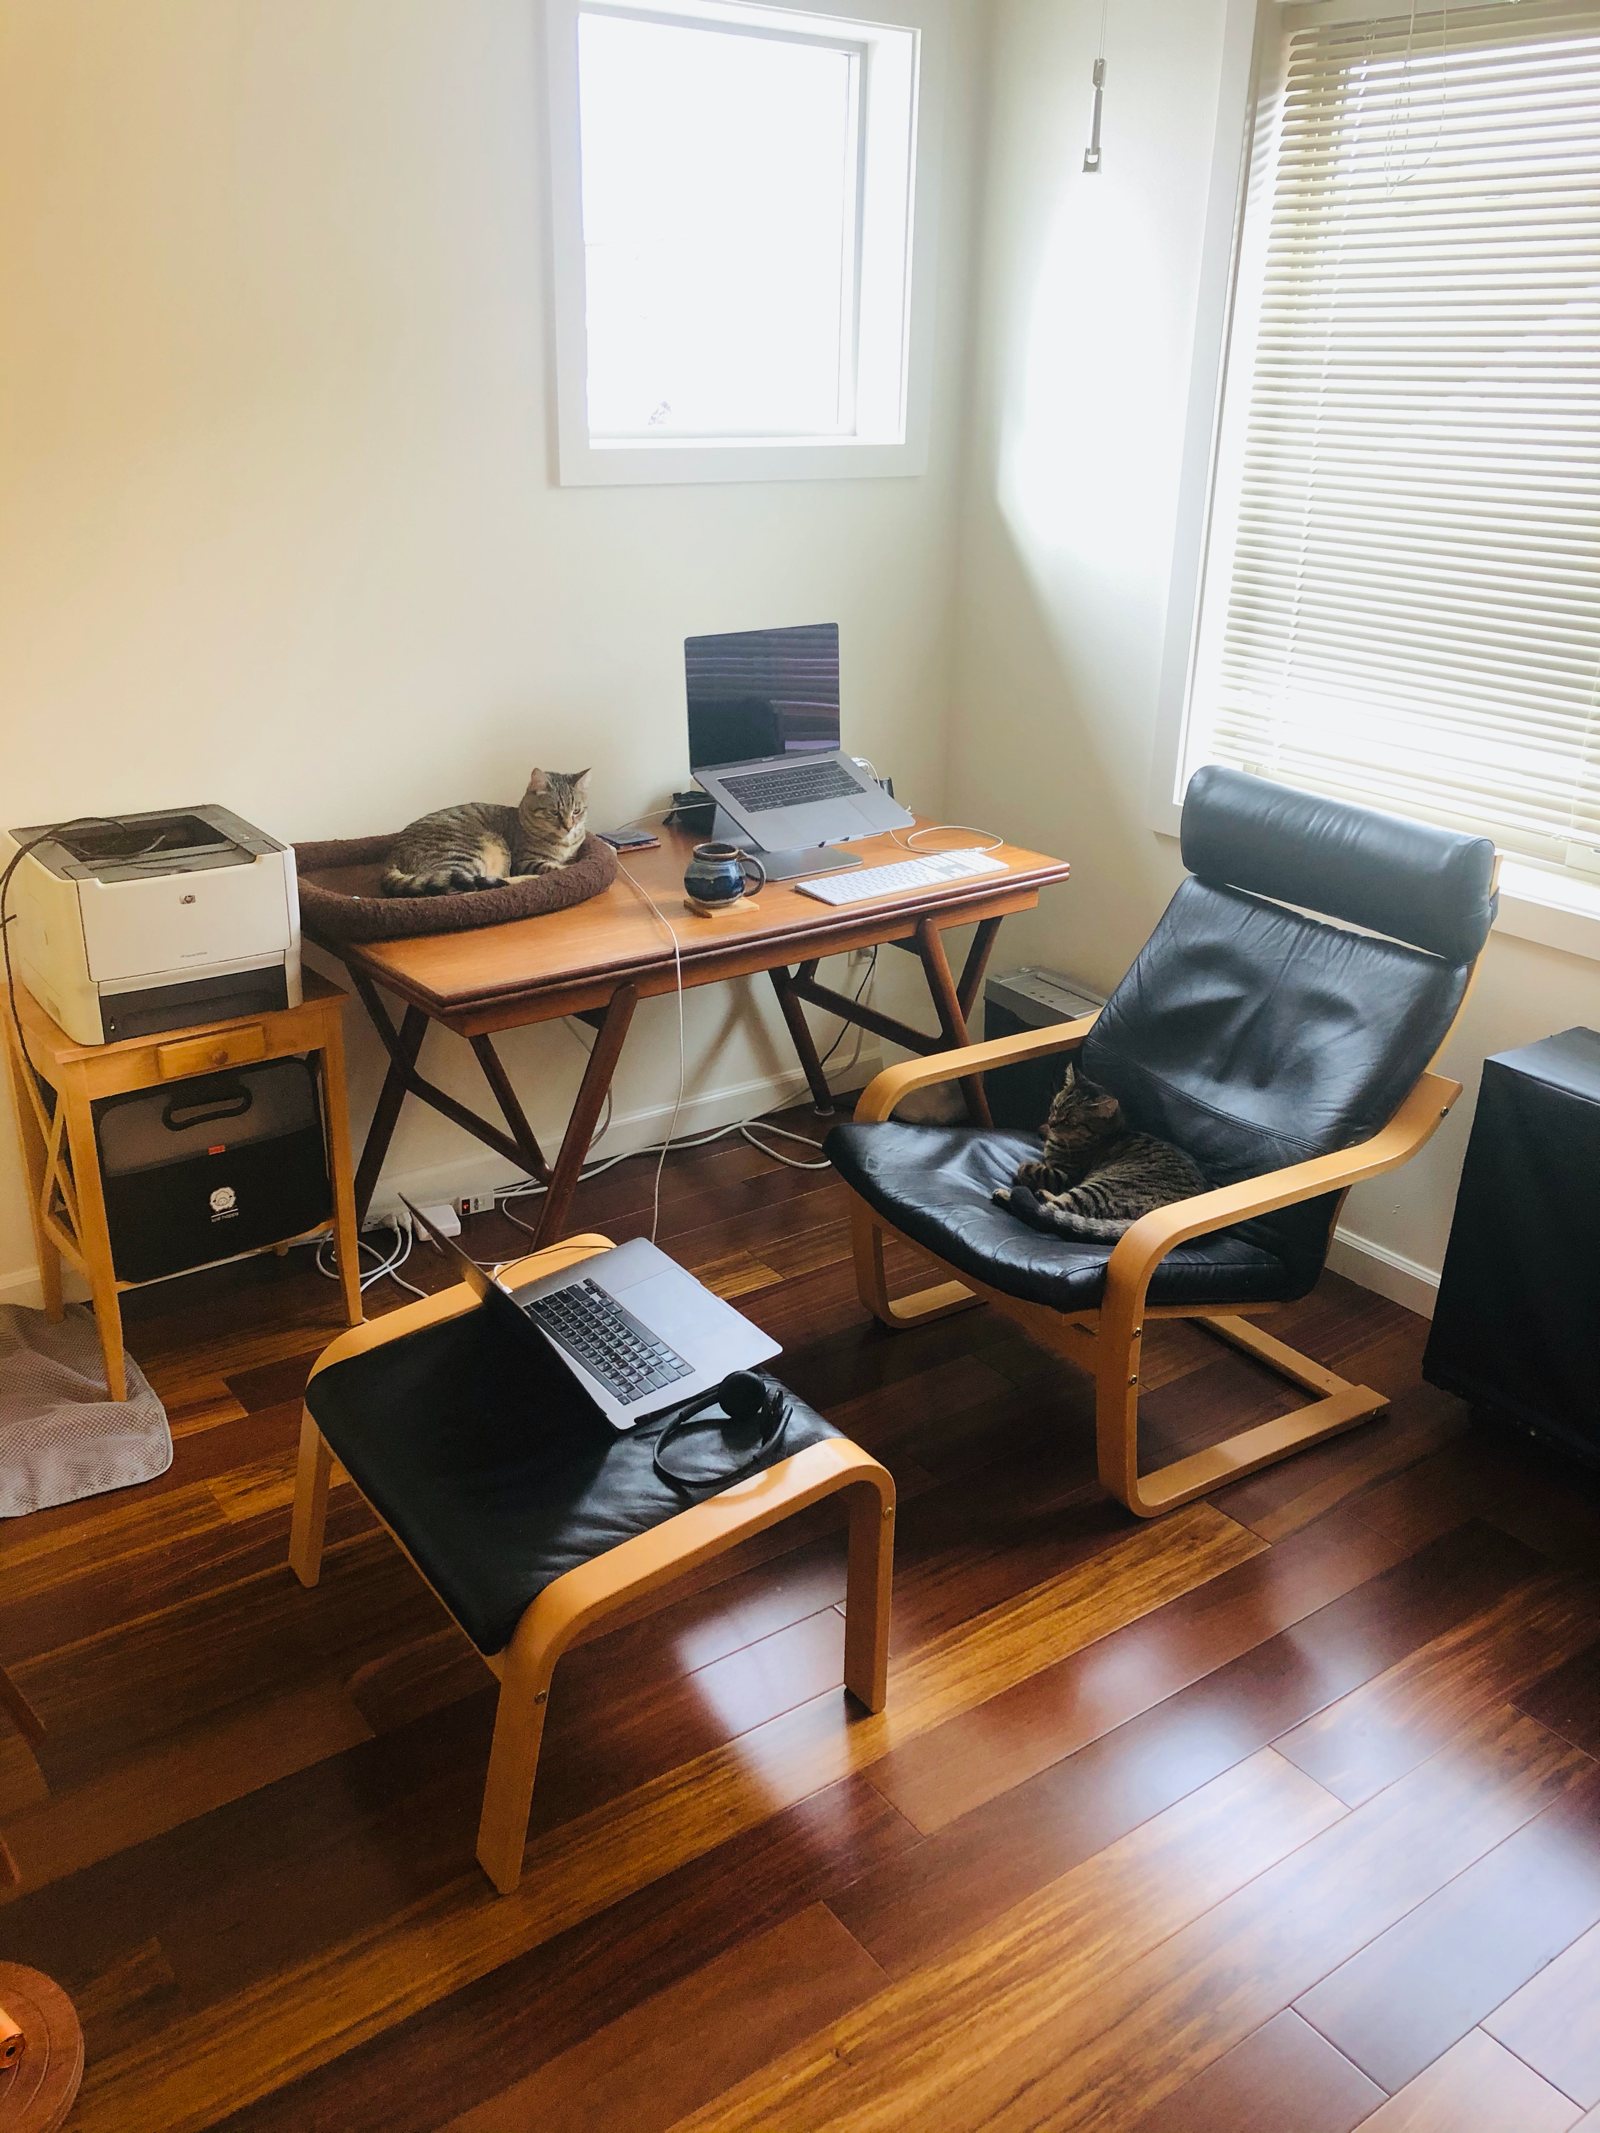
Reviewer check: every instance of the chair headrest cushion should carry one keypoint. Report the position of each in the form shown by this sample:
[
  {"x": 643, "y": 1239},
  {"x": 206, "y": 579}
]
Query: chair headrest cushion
[{"x": 1414, "y": 882}]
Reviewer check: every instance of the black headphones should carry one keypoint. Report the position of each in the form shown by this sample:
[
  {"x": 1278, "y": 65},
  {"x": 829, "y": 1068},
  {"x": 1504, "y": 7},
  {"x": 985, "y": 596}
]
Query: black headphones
[{"x": 744, "y": 1397}]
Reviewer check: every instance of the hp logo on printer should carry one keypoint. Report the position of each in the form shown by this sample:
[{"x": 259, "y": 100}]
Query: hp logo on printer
[{"x": 224, "y": 1202}]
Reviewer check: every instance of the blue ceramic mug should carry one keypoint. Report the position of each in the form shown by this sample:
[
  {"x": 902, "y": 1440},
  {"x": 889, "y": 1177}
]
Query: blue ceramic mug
[{"x": 719, "y": 874}]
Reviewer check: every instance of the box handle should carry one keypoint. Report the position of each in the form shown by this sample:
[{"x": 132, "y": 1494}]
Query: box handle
[{"x": 178, "y": 1116}]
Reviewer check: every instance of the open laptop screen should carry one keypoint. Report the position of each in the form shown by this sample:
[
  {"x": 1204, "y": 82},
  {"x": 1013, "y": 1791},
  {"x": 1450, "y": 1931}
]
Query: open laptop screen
[{"x": 755, "y": 693}]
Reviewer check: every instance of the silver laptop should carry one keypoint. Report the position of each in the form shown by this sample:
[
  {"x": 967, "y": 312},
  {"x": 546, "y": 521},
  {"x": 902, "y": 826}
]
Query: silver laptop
[
  {"x": 637, "y": 1332},
  {"x": 764, "y": 739}
]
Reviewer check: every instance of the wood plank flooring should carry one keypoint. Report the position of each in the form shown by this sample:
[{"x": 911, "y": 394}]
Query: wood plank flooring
[{"x": 1281, "y": 1815}]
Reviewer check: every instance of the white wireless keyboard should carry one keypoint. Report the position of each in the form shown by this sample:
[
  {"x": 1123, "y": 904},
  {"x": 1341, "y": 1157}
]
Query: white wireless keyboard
[{"x": 923, "y": 872}]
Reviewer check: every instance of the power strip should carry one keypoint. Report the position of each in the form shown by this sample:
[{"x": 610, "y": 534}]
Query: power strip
[{"x": 476, "y": 1203}]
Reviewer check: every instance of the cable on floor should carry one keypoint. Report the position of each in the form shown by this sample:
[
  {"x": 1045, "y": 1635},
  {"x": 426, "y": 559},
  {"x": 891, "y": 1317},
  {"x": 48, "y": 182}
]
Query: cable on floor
[{"x": 388, "y": 1261}]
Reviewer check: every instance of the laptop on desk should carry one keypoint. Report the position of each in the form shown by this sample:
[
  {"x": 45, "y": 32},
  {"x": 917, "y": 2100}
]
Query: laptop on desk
[
  {"x": 764, "y": 744},
  {"x": 638, "y": 1333}
]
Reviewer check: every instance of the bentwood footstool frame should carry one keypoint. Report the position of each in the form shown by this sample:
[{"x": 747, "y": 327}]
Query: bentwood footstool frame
[{"x": 614, "y": 1575}]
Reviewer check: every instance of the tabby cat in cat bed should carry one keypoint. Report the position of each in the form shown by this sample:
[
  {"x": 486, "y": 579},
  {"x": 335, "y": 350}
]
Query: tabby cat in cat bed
[
  {"x": 481, "y": 845},
  {"x": 1097, "y": 1176}
]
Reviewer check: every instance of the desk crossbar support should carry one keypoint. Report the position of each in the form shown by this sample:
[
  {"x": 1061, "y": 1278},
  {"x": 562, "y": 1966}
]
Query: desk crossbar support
[
  {"x": 953, "y": 1001},
  {"x": 403, "y": 1045},
  {"x": 586, "y": 1111},
  {"x": 505, "y": 1096}
]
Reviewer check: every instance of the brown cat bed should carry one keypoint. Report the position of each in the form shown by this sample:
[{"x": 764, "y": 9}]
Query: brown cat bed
[{"x": 342, "y": 899}]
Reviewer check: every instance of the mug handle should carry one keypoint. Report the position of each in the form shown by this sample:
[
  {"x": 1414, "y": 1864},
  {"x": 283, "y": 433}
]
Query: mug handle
[{"x": 749, "y": 859}]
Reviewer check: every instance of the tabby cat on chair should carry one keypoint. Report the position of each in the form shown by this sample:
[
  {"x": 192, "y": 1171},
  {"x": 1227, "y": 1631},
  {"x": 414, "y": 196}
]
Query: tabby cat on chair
[
  {"x": 1096, "y": 1176},
  {"x": 482, "y": 845}
]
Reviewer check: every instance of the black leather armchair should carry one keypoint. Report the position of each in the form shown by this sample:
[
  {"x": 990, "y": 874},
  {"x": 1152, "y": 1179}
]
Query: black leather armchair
[{"x": 1288, "y": 1053}]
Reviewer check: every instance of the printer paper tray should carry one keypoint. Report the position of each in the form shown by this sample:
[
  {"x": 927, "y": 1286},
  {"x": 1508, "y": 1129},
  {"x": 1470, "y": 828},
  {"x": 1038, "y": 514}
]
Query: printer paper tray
[{"x": 151, "y": 1009}]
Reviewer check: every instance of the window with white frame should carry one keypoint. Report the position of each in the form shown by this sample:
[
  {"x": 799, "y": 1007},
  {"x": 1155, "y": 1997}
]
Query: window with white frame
[
  {"x": 736, "y": 212},
  {"x": 1400, "y": 575}
]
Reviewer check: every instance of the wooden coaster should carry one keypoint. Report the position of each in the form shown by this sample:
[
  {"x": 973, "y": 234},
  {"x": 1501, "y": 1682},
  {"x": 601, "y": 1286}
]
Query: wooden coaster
[
  {"x": 37, "y": 2093},
  {"x": 700, "y": 910}
]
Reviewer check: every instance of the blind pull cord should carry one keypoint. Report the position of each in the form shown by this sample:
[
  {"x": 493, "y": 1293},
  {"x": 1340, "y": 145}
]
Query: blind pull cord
[{"x": 1091, "y": 155}]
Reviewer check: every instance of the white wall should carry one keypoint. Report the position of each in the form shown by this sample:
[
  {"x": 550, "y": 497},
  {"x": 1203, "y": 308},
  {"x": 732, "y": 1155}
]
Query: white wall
[
  {"x": 277, "y": 522},
  {"x": 1086, "y": 307}
]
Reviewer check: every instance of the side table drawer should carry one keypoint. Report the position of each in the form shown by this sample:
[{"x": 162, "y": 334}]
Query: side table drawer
[{"x": 203, "y": 1055}]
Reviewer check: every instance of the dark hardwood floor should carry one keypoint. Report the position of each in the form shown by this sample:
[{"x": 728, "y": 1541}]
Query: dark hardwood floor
[{"x": 1280, "y": 1815}]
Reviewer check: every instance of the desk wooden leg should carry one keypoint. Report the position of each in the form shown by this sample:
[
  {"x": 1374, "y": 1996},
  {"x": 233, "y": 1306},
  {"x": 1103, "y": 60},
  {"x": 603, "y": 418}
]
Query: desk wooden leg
[
  {"x": 952, "y": 1017},
  {"x": 94, "y": 1234},
  {"x": 403, "y": 1050},
  {"x": 511, "y": 1110},
  {"x": 34, "y": 1170},
  {"x": 586, "y": 1111},
  {"x": 977, "y": 962},
  {"x": 336, "y": 1113},
  {"x": 805, "y": 1044}
]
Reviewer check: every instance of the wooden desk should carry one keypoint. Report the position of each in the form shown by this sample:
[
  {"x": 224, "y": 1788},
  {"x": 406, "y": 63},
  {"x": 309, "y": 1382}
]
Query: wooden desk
[
  {"x": 61, "y": 1156},
  {"x": 600, "y": 959}
]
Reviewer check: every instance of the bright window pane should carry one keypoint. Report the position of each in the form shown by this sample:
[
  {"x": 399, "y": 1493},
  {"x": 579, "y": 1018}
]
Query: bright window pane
[{"x": 719, "y": 218}]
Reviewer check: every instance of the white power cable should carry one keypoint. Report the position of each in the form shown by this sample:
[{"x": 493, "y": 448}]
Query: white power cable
[
  {"x": 908, "y": 843},
  {"x": 677, "y": 972},
  {"x": 388, "y": 1262},
  {"x": 530, "y": 1189},
  {"x": 747, "y": 1130}
]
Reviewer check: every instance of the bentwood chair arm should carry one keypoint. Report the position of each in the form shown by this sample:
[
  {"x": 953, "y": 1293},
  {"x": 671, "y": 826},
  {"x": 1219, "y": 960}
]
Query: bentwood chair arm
[
  {"x": 879, "y": 1098},
  {"x": 1141, "y": 1248}
]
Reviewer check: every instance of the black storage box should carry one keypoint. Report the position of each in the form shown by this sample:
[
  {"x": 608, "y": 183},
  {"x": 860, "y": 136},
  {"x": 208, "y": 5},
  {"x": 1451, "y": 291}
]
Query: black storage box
[
  {"x": 1517, "y": 1327},
  {"x": 1019, "y": 1096},
  {"x": 202, "y": 1169}
]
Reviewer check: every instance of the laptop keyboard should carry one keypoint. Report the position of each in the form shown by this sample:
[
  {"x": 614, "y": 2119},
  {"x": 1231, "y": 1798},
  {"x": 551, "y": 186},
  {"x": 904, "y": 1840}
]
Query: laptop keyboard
[
  {"x": 610, "y": 1343},
  {"x": 760, "y": 790}
]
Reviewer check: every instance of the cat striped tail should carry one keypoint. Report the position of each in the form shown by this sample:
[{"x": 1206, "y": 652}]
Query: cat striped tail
[{"x": 1040, "y": 1212}]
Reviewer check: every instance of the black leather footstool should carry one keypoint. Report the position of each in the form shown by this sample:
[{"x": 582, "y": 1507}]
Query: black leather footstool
[{"x": 531, "y": 1522}]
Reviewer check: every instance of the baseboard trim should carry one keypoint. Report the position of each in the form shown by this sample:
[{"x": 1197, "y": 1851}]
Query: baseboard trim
[
  {"x": 1386, "y": 1273},
  {"x": 476, "y": 1170},
  {"x": 23, "y": 1288}
]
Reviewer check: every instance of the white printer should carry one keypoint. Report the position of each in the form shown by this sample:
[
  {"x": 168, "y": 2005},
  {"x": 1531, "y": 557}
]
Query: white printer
[{"x": 131, "y": 924}]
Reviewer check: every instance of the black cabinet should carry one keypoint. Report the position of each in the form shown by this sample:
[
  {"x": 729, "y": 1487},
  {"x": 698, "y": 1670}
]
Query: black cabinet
[
  {"x": 208, "y": 1167},
  {"x": 1517, "y": 1330}
]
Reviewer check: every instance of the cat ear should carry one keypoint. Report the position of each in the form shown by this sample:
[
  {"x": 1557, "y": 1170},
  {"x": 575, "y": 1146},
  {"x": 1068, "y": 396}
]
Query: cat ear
[
  {"x": 580, "y": 777},
  {"x": 537, "y": 781}
]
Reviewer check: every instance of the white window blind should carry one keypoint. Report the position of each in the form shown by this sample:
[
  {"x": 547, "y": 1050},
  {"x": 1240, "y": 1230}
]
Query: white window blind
[{"x": 1401, "y": 598}]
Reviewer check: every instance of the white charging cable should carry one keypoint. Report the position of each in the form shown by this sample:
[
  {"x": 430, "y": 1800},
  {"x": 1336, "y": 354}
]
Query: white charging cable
[
  {"x": 388, "y": 1261},
  {"x": 908, "y": 842},
  {"x": 671, "y": 932}
]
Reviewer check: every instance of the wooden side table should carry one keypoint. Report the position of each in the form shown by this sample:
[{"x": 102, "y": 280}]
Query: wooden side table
[{"x": 60, "y": 1154}]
